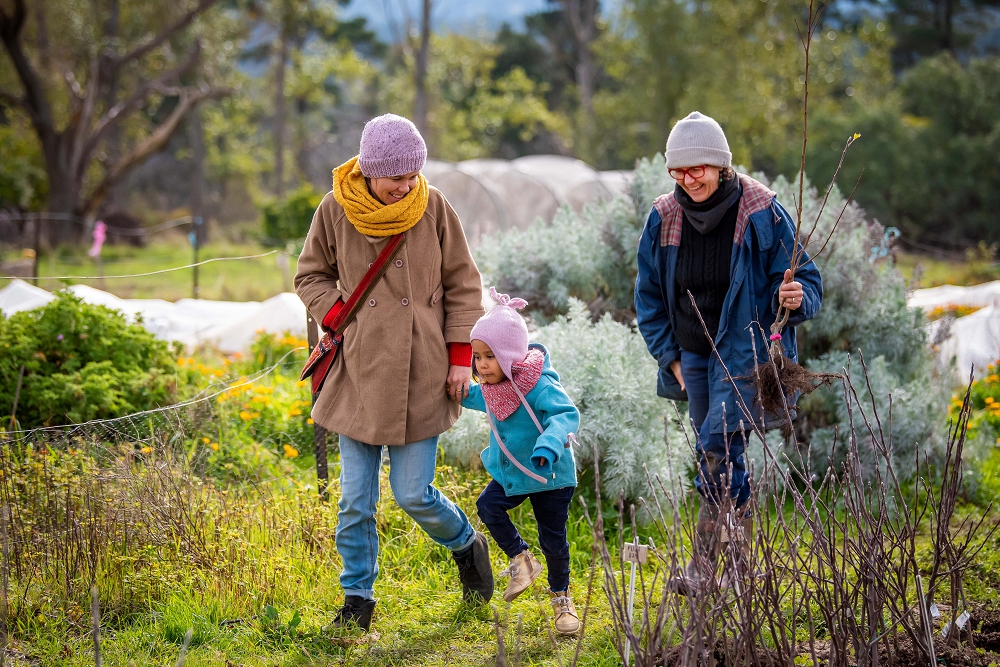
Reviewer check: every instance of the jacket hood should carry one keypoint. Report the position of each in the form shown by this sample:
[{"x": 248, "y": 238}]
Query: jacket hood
[{"x": 547, "y": 369}]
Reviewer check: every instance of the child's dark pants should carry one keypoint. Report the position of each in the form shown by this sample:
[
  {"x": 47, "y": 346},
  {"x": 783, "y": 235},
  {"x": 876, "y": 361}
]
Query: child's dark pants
[{"x": 551, "y": 511}]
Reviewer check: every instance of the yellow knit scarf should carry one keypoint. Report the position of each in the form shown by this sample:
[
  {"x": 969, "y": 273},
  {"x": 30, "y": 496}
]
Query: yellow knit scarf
[{"x": 370, "y": 216}]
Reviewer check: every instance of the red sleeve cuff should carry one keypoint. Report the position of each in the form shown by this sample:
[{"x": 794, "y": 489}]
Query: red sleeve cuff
[
  {"x": 337, "y": 307},
  {"x": 460, "y": 354}
]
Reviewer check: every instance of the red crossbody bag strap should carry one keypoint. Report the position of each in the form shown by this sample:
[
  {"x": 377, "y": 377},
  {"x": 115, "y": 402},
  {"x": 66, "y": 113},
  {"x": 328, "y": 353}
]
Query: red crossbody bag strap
[{"x": 367, "y": 284}]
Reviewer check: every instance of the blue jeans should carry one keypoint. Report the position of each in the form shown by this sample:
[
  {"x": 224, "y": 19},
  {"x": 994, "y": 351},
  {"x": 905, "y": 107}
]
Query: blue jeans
[
  {"x": 411, "y": 477},
  {"x": 715, "y": 454},
  {"x": 551, "y": 510}
]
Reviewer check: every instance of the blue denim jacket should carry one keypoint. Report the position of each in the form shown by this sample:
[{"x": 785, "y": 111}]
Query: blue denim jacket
[
  {"x": 762, "y": 247},
  {"x": 558, "y": 416}
]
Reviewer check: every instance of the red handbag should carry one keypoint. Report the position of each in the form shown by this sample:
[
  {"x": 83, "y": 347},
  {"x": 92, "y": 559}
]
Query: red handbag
[{"x": 322, "y": 356}]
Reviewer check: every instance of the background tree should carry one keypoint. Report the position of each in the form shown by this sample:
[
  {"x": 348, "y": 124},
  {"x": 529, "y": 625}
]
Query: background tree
[
  {"x": 923, "y": 28},
  {"x": 144, "y": 60}
]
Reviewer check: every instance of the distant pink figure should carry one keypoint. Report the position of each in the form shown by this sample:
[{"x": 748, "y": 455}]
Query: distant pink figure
[{"x": 100, "y": 236}]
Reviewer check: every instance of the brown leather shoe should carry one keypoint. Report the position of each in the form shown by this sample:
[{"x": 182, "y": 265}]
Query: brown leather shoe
[{"x": 567, "y": 621}]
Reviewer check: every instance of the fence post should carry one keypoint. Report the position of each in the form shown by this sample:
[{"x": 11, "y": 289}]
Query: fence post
[
  {"x": 195, "y": 237},
  {"x": 319, "y": 433},
  {"x": 38, "y": 251}
]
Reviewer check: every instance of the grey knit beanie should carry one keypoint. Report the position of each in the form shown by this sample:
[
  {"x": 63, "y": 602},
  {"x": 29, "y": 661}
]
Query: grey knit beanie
[
  {"x": 697, "y": 140},
  {"x": 391, "y": 146}
]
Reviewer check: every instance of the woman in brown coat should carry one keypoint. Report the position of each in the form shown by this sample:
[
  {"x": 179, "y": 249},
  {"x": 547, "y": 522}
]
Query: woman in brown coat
[{"x": 403, "y": 356}]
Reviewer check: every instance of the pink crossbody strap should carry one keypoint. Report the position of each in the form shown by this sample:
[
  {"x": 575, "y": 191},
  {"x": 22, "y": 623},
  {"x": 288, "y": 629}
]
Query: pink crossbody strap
[
  {"x": 571, "y": 438},
  {"x": 517, "y": 464}
]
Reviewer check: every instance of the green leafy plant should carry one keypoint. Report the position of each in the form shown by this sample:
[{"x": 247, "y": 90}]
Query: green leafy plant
[
  {"x": 80, "y": 362},
  {"x": 289, "y": 218}
]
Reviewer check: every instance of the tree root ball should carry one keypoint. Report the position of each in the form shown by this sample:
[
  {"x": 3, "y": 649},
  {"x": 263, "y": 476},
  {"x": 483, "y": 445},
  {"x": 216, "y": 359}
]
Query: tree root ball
[{"x": 781, "y": 377}]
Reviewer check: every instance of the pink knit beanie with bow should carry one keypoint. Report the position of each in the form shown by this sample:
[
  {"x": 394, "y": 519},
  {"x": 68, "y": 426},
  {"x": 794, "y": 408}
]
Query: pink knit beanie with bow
[
  {"x": 504, "y": 330},
  {"x": 391, "y": 146}
]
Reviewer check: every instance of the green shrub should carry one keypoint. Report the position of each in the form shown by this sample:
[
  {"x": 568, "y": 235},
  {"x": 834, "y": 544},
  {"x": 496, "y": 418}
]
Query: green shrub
[
  {"x": 81, "y": 362},
  {"x": 289, "y": 218}
]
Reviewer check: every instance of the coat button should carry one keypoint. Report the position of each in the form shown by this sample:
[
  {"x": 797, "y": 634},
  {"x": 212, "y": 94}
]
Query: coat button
[
  {"x": 406, "y": 302},
  {"x": 399, "y": 263},
  {"x": 505, "y": 464},
  {"x": 510, "y": 485},
  {"x": 370, "y": 264},
  {"x": 371, "y": 302}
]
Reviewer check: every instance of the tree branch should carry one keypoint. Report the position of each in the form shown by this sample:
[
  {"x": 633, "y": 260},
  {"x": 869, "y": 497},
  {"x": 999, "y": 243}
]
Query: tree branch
[
  {"x": 143, "y": 49},
  {"x": 121, "y": 110},
  {"x": 82, "y": 120},
  {"x": 34, "y": 97},
  {"x": 151, "y": 144},
  {"x": 13, "y": 100}
]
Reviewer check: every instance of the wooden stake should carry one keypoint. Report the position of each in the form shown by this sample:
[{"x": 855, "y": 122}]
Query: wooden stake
[{"x": 95, "y": 617}]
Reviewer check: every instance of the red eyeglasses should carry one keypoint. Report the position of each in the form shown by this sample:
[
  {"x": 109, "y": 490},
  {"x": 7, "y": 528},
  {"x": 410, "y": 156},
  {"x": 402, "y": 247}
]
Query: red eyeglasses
[{"x": 693, "y": 172}]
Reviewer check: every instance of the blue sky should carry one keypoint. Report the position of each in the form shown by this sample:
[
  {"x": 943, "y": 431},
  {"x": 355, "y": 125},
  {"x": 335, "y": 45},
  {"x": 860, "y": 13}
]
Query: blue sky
[{"x": 449, "y": 15}]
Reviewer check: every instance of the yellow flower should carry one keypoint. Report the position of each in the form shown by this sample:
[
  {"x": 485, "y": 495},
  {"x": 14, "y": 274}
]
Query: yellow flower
[
  {"x": 301, "y": 383},
  {"x": 206, "y": 440},
  {"x": 294, "y": 412},
  {"x": 989, "y": 399},
  {"x": 310, "y": 421},
  {"x": 214, "y": 446},
  {"x": 244, "y": 415},
  {"x": 291, "y": 452},
  {"x": 993, "y": 378},
  {"x": 146, "y": 450}
]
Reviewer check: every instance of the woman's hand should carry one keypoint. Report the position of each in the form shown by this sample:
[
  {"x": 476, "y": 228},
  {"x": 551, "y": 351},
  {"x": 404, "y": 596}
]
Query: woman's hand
[
  {"x": 790, "y": 292},
  {"x": 675, "y": 368},
  {"x": 457, "y": 386}
]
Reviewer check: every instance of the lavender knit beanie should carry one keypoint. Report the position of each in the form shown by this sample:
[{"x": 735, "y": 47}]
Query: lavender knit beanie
[
  {"x": 391, "y": 146},
  {"x": 504, "y": 330}
]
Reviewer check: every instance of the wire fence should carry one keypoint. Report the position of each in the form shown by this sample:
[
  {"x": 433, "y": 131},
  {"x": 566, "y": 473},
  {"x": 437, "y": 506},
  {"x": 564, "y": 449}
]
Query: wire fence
[{"x": 154, "y": 273}]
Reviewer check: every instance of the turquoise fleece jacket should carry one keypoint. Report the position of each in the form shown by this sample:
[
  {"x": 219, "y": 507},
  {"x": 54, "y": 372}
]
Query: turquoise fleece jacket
[{"x": 558, "y": 416}]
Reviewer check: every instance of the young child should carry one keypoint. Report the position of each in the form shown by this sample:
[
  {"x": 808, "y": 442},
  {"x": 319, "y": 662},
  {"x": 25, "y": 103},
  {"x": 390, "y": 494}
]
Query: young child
[{"x": 529, "y": 455}]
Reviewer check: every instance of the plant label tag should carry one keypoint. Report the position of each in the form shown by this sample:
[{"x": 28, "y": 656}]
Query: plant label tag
[
  {"x": 635, "y": 553},
  {"x": 935, "y": 612},
  {"x": 962, "y": 620}
]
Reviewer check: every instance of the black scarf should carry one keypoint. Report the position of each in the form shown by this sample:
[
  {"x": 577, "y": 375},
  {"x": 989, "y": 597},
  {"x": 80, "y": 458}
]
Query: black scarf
[{"x": 705, "y": 216}]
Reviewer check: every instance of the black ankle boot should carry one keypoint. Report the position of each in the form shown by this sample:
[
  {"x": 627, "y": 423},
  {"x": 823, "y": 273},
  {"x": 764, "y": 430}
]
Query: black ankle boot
[
  {"x": 356, "y": 611},
  {"x": 475, "y": 570}
]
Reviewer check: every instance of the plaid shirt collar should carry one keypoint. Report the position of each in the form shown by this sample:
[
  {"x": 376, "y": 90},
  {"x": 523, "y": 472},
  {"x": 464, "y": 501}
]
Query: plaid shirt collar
[{"x": 756, "y": 197}]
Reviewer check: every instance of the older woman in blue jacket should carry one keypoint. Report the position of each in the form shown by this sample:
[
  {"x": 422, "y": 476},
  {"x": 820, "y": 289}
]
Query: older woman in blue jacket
[{"x": 726, "y": 239}]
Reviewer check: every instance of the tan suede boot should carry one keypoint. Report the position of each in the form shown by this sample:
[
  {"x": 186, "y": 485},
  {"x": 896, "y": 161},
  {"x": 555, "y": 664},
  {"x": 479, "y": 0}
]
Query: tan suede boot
[
  {"x": 567, "y": 621},
  {"x": 700, "y": 570},
  {"x": 523, "y": 569}
]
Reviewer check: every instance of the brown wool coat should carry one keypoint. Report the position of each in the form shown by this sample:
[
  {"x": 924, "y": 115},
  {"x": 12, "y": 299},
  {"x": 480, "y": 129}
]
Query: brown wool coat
[{"x": 387, "y": 386}]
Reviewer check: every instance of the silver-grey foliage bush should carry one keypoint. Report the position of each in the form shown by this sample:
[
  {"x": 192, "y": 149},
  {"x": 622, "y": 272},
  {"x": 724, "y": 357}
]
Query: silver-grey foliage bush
[
  {"x": 864, "y": 309},
  {"x": 606, "y": 370},
  {"x": 591, "y": 256}
]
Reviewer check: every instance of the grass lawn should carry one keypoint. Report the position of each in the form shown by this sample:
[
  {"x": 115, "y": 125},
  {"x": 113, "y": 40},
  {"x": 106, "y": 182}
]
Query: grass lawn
[
  {"x": 935, "y": 272},
  {"x": 272, "y": 547},
  {"x": 243, "y": 280}
]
